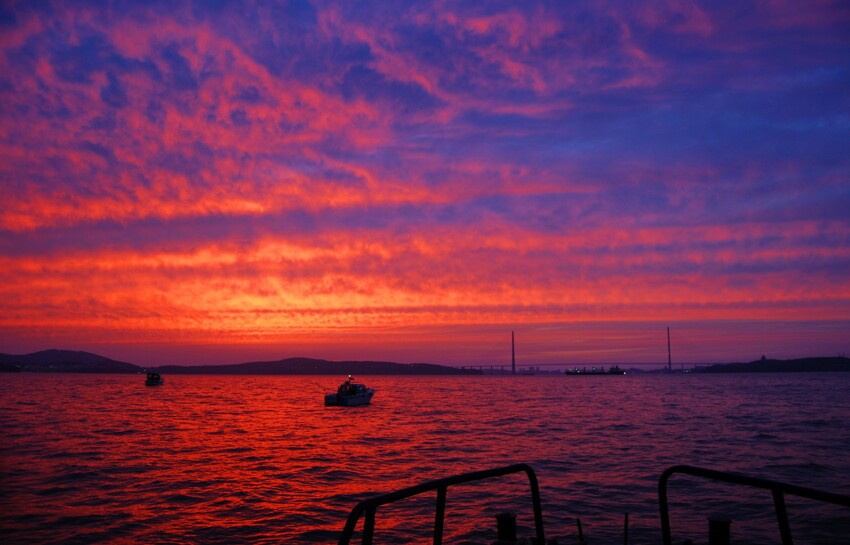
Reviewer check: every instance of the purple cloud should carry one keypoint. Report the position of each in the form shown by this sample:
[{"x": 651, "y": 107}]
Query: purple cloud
[{"x": 394, "y": 163}]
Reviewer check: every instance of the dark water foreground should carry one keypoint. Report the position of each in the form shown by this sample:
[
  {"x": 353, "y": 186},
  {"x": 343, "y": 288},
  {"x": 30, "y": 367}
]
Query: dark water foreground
[{"x": 216, "y": 459}]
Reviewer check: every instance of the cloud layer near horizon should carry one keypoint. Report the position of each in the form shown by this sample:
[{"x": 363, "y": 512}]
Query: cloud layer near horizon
[{"x": 276, "y": 173}]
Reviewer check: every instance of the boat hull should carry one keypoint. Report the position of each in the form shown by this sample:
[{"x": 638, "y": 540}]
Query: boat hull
[
  {"x": 350, "y": 394},
  {"x": 348, "y": 401}
]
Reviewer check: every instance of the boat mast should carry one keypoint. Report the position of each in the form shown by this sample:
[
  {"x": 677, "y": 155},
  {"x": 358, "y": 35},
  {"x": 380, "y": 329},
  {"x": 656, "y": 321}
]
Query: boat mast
[
  {"x": 513, "y": 355},
  {"x": 669, "y": 359}
]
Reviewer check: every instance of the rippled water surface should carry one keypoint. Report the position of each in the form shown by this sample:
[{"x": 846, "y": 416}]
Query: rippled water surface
[{"x": 251, "y": 459}]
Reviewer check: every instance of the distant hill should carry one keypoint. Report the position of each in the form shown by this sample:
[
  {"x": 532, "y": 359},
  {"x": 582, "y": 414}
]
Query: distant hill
[
  {"x": 308, "y": 366},
  {"x": 9, "y": 368},
  {"x": 68, "y": 361},
  {"x": 65, "y": 361},
  {"x": 838, "y": 363}
]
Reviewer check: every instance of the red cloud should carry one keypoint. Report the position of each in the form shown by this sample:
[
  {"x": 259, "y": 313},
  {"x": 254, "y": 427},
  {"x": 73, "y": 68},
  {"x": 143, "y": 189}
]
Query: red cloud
[{"x": 172, "y": 180}]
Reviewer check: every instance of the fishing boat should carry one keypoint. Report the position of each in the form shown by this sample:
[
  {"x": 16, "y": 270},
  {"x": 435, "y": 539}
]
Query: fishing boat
[
  {"x": 154, "y": 379},
  {"x": 350, "y": 394}
]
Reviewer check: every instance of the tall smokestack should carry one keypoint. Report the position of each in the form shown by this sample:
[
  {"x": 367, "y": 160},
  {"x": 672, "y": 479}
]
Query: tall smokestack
[
  {"x": 513, "y": 355},
  {"x": 669, "y": 359}
]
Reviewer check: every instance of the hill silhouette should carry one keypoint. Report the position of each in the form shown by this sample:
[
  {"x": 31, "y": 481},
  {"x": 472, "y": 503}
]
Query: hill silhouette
[
  {"x": 764, "y": 365},
  {"x": 69, "y": 361},
  {"x": 309, "y": 366},
  {"x": 65, "y": 361}
]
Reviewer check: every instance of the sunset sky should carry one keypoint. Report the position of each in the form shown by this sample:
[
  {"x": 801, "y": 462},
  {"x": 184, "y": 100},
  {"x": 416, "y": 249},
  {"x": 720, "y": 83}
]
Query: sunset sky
[{"x": 217, "y": 182}]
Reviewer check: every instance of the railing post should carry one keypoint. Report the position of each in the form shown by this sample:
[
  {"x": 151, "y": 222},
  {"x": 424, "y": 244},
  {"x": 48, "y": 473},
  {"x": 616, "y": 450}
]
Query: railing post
[
  {"x": 782, "y": 517},
  {"x": 369, "y": 526},
  {"x": 506, "y": 528},
  {"x": 666, "y": 534},
  {"x": 535, "y": 502},
  {"x": 718, "y": 530},
  {"x": 350, "y": 525},
  {"x": 440, "y": 516}
]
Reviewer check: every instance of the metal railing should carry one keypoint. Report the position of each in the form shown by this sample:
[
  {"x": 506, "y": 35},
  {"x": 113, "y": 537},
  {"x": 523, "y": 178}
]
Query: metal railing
[
  {"x": 778, "y": 489},
  {"x": 370, "y": 506}
]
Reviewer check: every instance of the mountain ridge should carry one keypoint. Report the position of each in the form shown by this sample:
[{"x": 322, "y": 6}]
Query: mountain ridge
[
  {"x": 70, "y": 361},
  {"x": 66, "y": 361},
  {"x": 796, "y": 365}
]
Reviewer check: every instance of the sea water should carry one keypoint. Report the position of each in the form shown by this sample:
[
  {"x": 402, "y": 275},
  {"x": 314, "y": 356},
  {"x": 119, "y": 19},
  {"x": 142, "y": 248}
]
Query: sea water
[{"x": 260, "y": 459}]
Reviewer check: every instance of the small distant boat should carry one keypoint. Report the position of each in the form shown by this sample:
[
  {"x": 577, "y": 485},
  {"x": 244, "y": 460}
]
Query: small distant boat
[
  {"x": 349, "y": 394},
  {"x": 154, "y": 379},
  {"x": 615, "y": 370}
]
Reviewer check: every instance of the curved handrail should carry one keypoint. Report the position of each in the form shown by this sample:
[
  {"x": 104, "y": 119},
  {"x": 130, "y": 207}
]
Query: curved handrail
[
  {"x": 778, "y": 489},
  {"x": 369, "y": 506}
]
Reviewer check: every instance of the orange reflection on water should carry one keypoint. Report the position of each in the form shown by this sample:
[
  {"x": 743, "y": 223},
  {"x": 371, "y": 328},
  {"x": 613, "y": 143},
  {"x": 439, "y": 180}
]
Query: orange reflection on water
[{"x": 223, "y": 459}]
